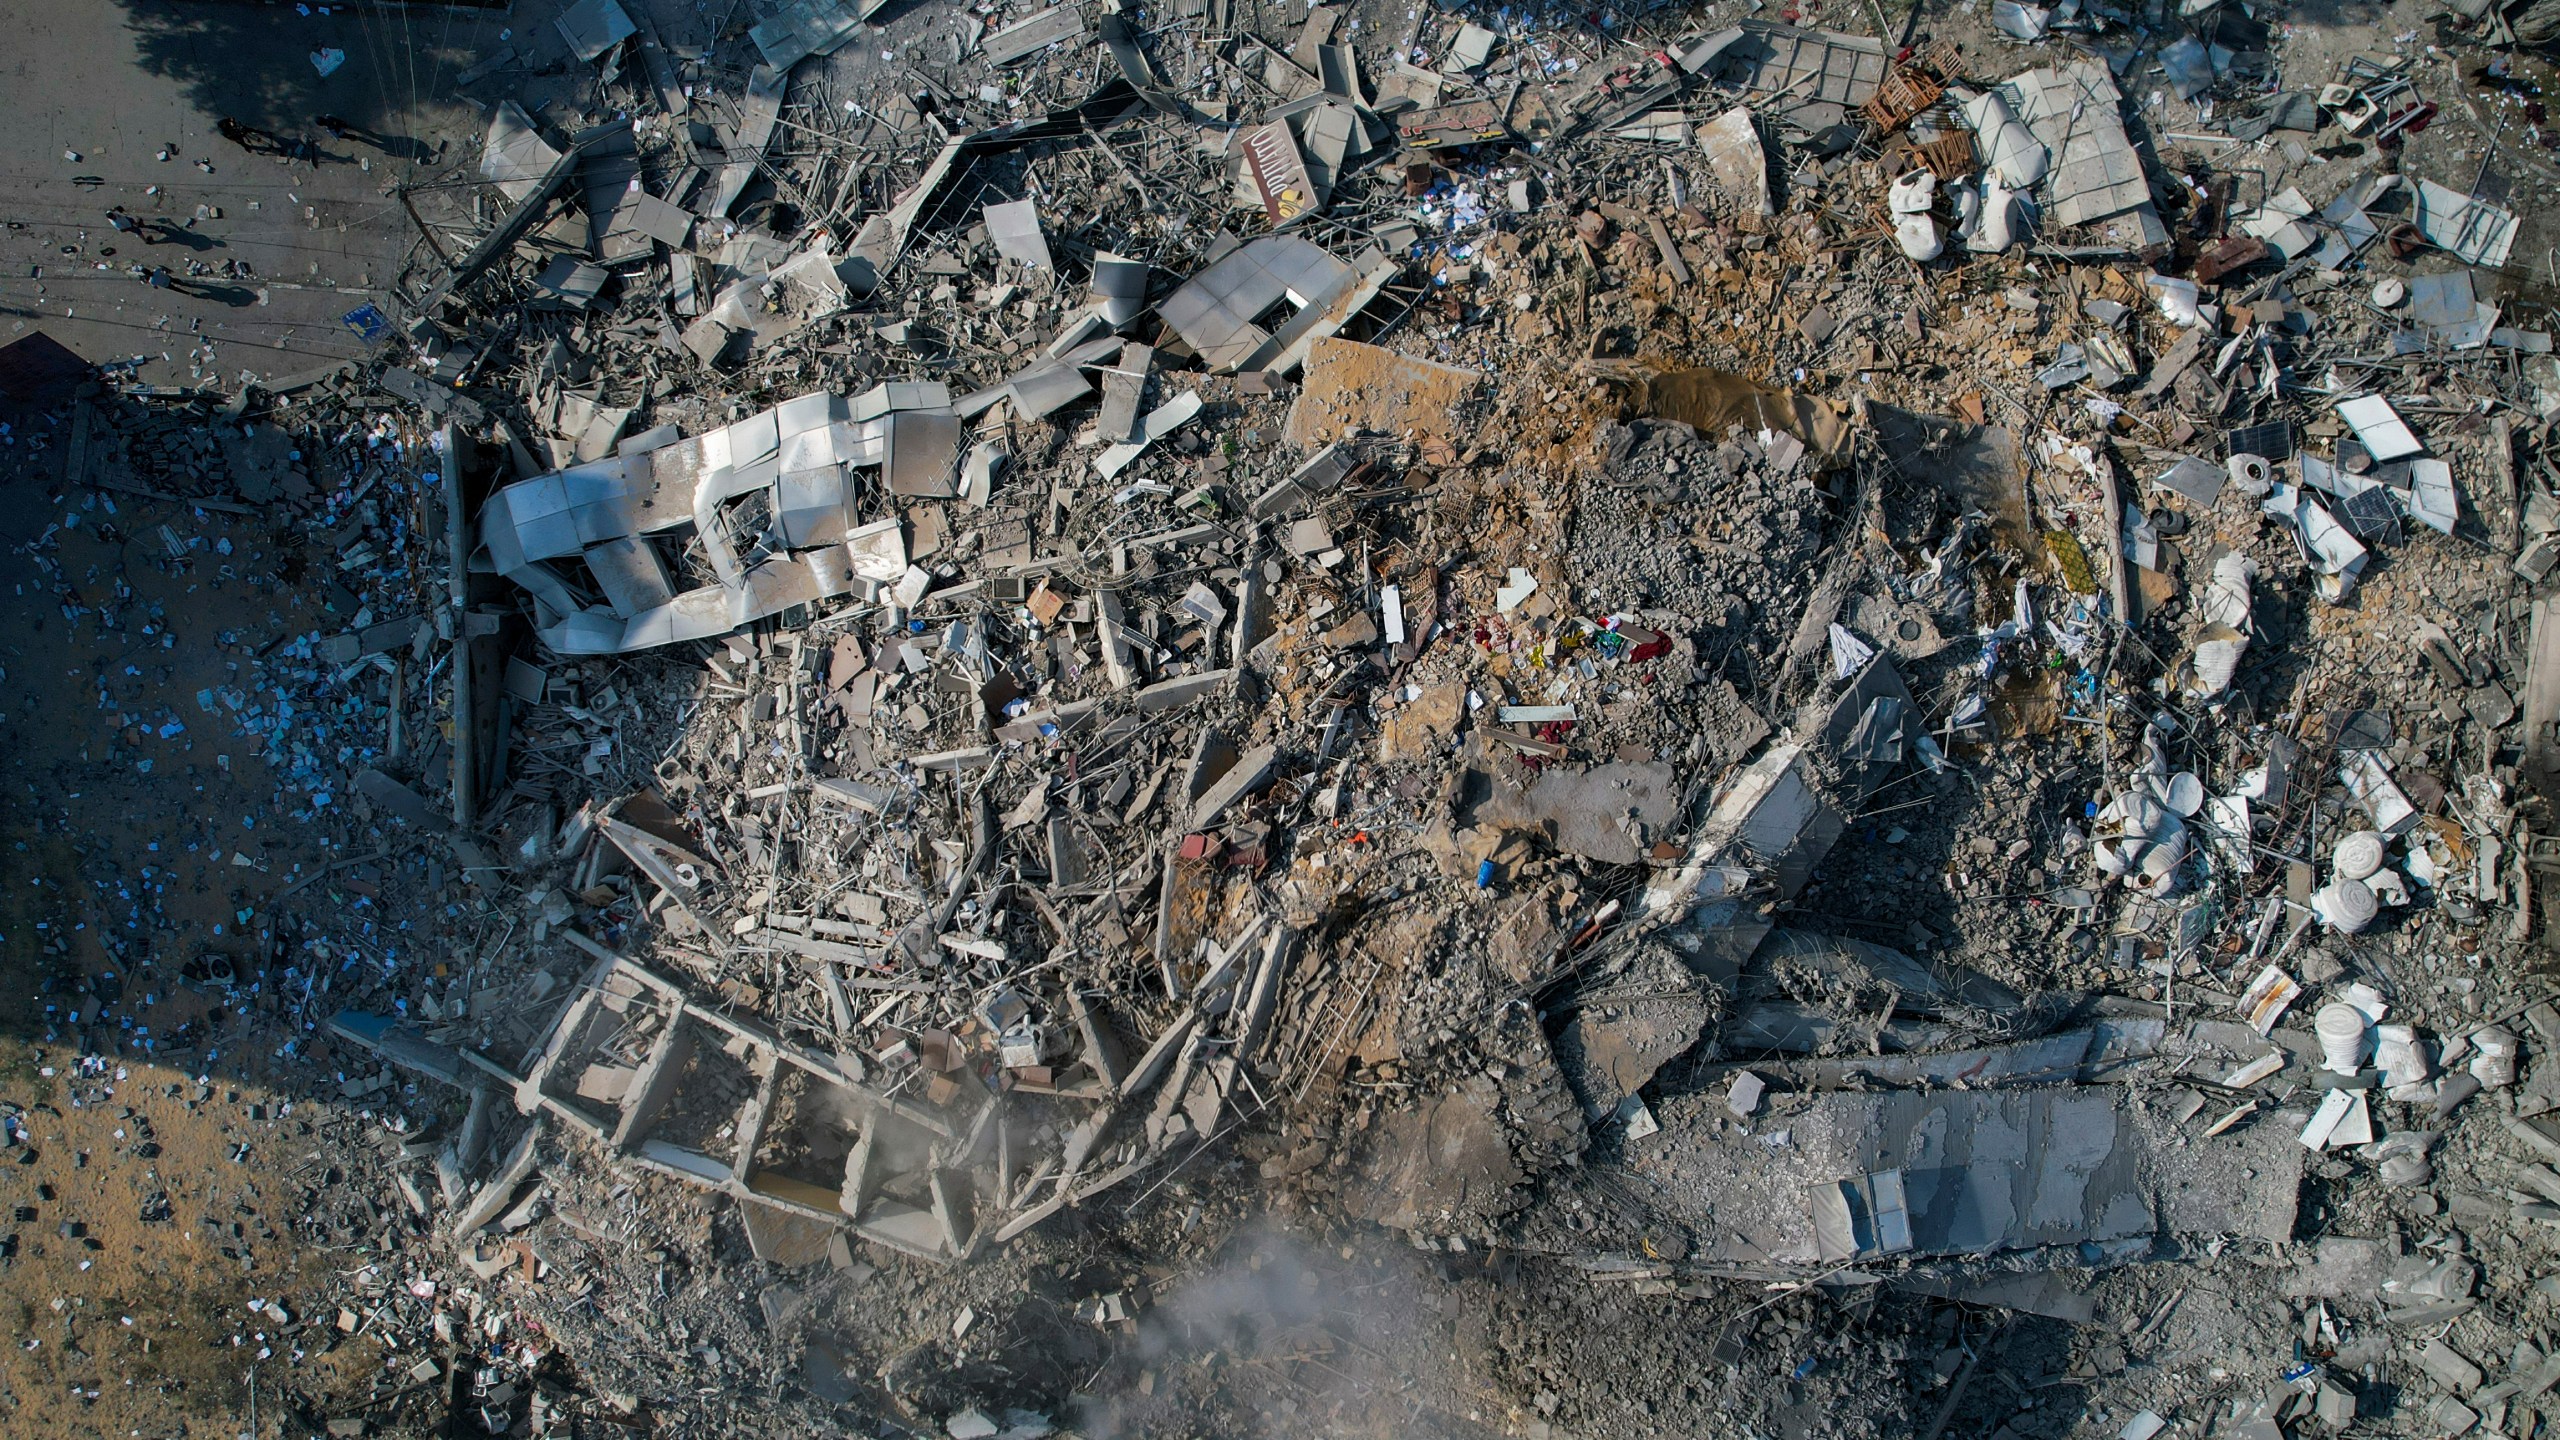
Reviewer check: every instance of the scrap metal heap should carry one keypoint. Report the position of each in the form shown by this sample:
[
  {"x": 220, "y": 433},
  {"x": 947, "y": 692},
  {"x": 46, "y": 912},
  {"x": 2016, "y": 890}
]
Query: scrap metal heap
[{"x": 1184, "y": 595}]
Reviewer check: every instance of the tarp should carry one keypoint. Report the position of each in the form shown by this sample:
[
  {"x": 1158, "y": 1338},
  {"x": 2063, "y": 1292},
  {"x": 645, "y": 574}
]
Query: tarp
[{"x": 1713, "y": 400}]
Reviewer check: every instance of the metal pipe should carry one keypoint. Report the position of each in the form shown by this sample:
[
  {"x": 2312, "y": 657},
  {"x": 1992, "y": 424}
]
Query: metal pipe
[{"x": 465, "y": 765}]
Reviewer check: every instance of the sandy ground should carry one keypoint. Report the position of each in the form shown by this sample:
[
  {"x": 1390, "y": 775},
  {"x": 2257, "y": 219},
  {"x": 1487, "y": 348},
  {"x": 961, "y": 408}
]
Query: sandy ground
[
  {"x": 137, "y": 1326},
  {"x": 109, "y": 828}
]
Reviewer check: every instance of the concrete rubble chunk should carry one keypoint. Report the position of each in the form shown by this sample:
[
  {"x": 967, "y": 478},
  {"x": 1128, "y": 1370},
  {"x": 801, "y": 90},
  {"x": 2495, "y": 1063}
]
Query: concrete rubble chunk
[
  {"x": 591, "y": 27},
  {"x": 2449, "y": 1368},
  {"x": 1033, "y": 34},
  {"x": 1734, "y": 156},
  {"x": 1249, "y": 773},
  {"x": 2046, "y": 1167},
  {"x": 1157, "y": 424}
]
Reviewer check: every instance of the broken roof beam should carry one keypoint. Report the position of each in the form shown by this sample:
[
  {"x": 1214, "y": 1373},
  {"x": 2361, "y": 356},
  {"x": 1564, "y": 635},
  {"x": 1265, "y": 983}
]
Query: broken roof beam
[
  {"x": 1102, "y": 1050},
  {"x": 402, "y": 1045},
  {"x": 656, "y": 1084},
  {"x": 825, "y": 1067},
  {"x": 954, "y": 1209},
  {"x": 519, "y": 223},
  {"x": 1140, "y": 76},
  {"x": 757, "y": 115},
  {"x": 642, "y": 849},
  {"x": 1771, "y": 822},
  {"x": 492, "y": 1197},
  {"x": 465, "y": 761},
  {"x": 751, "y": 1123},
  {"x": 1255, "y": 1013},
  {"x": 884, "y": 239},
  {"x": 2541, "y": 699},
  {"x": 1039, "y": 33},
  {"x": 548, "y": 1049},
  {"x": 1119, "y": 661}
]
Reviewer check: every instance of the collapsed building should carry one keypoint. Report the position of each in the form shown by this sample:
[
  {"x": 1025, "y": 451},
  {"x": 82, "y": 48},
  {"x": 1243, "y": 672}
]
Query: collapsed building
[{"x": 1678, "y": 667}]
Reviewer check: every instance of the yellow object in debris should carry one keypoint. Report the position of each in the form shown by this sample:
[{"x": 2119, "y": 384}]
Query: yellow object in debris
[{"x": 2073, "y": 560}]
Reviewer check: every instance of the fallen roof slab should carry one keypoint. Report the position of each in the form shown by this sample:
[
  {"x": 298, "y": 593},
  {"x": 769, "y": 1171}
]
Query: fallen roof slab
[{"x": 1983, "y": 1172}]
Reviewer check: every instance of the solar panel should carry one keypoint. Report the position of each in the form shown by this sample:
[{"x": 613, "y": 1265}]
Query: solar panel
[
  {"x": 2370, "y": 514},
  {"x": 2272, "y": 441}
]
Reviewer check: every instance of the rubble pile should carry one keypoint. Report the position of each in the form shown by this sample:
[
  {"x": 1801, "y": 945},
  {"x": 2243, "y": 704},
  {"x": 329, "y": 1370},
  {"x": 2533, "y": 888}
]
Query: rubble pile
[{"x": 1839, "y": 702}]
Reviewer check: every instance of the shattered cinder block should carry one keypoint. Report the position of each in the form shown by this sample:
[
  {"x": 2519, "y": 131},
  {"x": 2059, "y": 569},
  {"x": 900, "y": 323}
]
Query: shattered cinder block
[
  {"x": 1181, "y": 690},
  {"x": 1251, "y": 771}
]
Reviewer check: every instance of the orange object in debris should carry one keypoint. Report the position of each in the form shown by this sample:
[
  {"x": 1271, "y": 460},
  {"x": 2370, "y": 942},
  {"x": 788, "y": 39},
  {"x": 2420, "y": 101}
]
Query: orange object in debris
[
  {"x": 1949, "y": 157},
  {"x": 1905, "y": 93},
  {"x": 2237, "y": 253},
  {"x": 1938, "y": 57}
]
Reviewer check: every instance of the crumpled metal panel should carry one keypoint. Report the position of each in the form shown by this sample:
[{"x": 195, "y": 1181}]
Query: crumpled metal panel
[
  {"x": 808, "y": 412},
  {"x": 1119, "y": 287},
  {"x": 924, "y": 453},
  {"x": 809, "y": 449},
  {"x": 880, "y": 399},
  {"x": 515, "y": 157},
  {"x": 1216, "y": 311},
  {"x": 758, "y": 437},
  {"x": 878, "y": 551},
  {"x": 801, "y": 546},
  {"x": 1014, "y": 226},
  {"x": 1047, "y": 386},
  {"x": 591, "y": 27},
  {"x": 632, "y": 575},
  {"x": 530, "y": 520},
  {"x": 716, "y": 527},
  {"x": 860, "y": 442},
  {"x": 693, "y": 615},
  {"x": 809, "y": 27},
  {"x": 809, "y": 506},
  {"x": 2477, "y": 230},
  {"x": 810, "y": 431},
  {"x": 599, "y": 498}
]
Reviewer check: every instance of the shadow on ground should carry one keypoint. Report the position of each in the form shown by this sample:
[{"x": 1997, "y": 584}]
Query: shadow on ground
[{"x": 255, "y": 62}]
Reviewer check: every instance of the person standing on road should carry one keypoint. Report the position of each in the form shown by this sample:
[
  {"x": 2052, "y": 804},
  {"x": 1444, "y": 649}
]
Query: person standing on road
[
  {"x": 240, "y": 135},
  {"x": 159, "y": 278}
]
